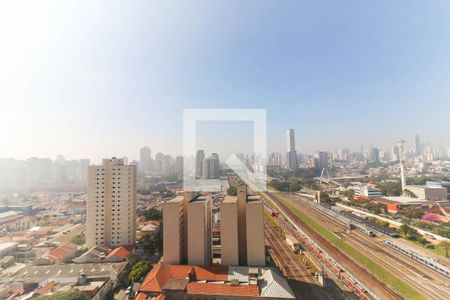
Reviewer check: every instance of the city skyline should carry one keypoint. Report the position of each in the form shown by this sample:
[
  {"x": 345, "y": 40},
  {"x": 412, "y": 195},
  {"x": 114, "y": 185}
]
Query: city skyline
[
  {"x": 224, "y": 149},
  {"x": 323, "y": 69},
  {"x": 410, "y": 146}
]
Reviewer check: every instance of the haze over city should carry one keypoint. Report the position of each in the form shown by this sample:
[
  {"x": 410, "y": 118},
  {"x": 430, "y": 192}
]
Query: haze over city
[
  {"x": 199, "y": 149},
  {"x": 96, "y": 80}
]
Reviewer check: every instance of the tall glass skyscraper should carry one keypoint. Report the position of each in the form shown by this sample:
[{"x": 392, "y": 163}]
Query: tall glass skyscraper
[{"x": 291, "y": 156}]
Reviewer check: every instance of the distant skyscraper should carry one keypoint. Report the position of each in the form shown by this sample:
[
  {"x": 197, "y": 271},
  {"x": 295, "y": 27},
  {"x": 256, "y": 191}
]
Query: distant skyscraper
[
  {"x": 145, "y": 159},
  {"x": 291, "y": 157},
  {"x": 375, "y": 154},
  {"x": 111, "y": 205},
  {"x": 211, "y": 167},
  {"x": 179, "y": 165},
  {"x": 322, "y": 160},
  {"x": 167, "y": 164},
  {"x": 159, "y": 160},
  {"x": 199, "y": 158},
  {"x": 395, "y": 153},
  {"x": 418, "y": 145},
  {"x": 83, "y": 166}
]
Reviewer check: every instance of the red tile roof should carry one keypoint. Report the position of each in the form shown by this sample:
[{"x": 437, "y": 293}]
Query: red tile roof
[
  {"x": 120, "y": 252},
  {"x": 222, "y": 289},
  {"x": 47, "y": 288},
  {"x": 61, "y": 252},
  {"x": 156, "y": 223},
  {"x": 160, "y": 274},
  {"x": 213, "y": 273}
]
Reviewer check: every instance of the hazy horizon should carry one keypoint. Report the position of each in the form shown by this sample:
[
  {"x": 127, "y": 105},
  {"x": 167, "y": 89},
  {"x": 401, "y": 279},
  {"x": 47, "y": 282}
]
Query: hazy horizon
[{"x": 95, "y": 80}]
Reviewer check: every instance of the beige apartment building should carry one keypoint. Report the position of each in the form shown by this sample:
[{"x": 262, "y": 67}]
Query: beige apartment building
[
  {"x": 174, "y": 231},
  {"x": 199, "y": 231},
  {"x": 111, "y": 205},
  {"x": 229, "y": 232},
  {"x": 255, "y": 232},
  {"x": 242, "y": 230},
  {"x": 187, "y": 230}
]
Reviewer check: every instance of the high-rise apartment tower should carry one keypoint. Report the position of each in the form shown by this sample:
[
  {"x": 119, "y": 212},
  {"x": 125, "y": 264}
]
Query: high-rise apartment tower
[{"x": 111, "y": 205}]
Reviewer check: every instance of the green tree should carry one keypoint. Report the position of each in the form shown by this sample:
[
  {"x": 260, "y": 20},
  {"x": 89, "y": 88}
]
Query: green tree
[
  {"x": 413, "y": 213},
  {"x": 390, "y": 188},
  {"x": 148, "y": 243},
  {"x": 294, "y": 186},
  {"x": 405, "y": 229},
  {"x": 232, "y": 191},
  {"x": 152, "y": 214},
  {"x": 414, "y": 235},
  {"x": 79, "y": 239},
  {"x": 139, "y": 270}
]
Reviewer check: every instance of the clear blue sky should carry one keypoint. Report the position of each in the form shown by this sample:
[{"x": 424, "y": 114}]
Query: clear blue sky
[{"x": 99, "y": 79}]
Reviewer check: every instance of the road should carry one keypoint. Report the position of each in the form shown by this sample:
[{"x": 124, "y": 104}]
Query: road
[{"x": 67, "y": 237}]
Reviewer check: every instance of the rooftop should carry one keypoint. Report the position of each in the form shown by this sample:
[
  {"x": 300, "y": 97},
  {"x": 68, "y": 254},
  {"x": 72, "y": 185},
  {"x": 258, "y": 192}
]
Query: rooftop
[
  {"x": 425, "y": 187},
  {"x": 7, "y": 245},
  {"x": 177, "y": 199},
  {"x": 66, "y": 272},
  {"x": 229, "y": 199},
  {"x": 8, "y": 214},
  {"x": 119, "y": 252},
  {"x": 253, "y": 198},
  {"x": 216, "y": 280},
  {"x": 404, "y": 200},
  {"x": 199, "y": 199}
]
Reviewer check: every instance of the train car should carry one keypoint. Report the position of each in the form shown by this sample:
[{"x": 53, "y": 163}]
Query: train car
[
  {"x": 272, "y": 212},
  {"x": 293, "y": 243},
  {"x": 430, "y": 263},
  {"x": 382, "y": 229},
  {"x": 363, "y": 230},
  {"x": 367, "y": 231}
]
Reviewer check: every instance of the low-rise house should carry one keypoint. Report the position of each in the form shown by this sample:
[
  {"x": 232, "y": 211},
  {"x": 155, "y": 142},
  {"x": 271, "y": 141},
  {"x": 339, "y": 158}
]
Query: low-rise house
[
  {"x": 118, "y": 254},
  {"x": 150, "y": 228},
  {"x": 61, "y": 254},
  {"x": 93, "y": 255}
]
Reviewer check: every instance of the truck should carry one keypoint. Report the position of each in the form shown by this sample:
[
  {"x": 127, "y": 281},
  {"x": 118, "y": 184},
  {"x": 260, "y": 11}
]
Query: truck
[{"x": 293, "y": 243}]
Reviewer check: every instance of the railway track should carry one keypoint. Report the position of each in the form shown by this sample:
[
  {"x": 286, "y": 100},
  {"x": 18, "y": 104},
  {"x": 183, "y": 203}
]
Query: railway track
[
  {"x": 288, "y": 262},
  {"x": 337, "y": 290},
  {"x": 294, "y": 270},
  {"x": 377, "y": 287},
  {"x": 431, "y": 284}
]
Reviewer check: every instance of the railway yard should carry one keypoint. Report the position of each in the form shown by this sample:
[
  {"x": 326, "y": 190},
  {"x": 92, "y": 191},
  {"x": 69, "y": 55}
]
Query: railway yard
[
  {"x": 428, "y": 283},
  {"x": 300, "y": 274}
]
